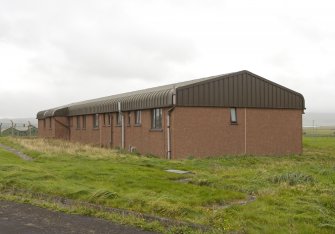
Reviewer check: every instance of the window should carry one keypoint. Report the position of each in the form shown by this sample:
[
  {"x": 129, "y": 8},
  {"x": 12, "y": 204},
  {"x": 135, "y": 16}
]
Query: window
[
  {"x": 44, "y": 123},
  {"x": 107, "y": 119},
  {"x": 50, "y": 123},
  {"x": 233, "y": 115},
  {"x": 84, "y": 121},
  {"x": 138, "y": 117},
  {"x": 119, "y": 119},
  {"x": 78, "y": 122},
  {"x": 71, "y": 121},
  {"x": 129, "y": 118},
  {"x": 156, "y": 118},
  {"x": 96, "y": 121}
]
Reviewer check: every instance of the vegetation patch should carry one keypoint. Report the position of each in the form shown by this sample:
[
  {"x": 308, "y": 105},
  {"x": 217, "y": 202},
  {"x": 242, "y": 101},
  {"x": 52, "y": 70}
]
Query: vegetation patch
[
  {"x": 103, "y": 194},
  {"x": 238, "y": 194},
  {"x": 293, "y": 178}
]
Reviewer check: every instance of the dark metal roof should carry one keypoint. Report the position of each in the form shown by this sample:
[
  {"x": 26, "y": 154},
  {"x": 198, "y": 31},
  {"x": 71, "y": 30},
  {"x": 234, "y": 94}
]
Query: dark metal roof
[{"x": 239, "y": 89}]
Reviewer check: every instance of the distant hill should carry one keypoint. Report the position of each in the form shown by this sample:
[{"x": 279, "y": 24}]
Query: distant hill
[{"x": 320, "y": 119}]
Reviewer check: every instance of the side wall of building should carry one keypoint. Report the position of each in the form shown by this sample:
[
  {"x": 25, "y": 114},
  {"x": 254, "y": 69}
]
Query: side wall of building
[
  {"x": 206, "y": 131},
  {"x": 274, "y": 131},
  {"x": 46, "y": 128},
  {"x": 195, "y": 131},
  {"x": 141, "y": 138}
]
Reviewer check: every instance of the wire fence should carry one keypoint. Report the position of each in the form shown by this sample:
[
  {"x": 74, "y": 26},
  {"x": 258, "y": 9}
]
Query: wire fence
[
  {"x": 319, "y": 131},
  {"x": 18, "y": 129}
]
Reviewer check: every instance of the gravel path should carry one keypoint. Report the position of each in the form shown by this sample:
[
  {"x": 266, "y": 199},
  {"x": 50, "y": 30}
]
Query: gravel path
[
  {"x": 16, "y": 152},
  {"x": 28, "y": 219}
]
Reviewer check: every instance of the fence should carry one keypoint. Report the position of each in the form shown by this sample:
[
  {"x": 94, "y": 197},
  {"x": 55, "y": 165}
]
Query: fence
[
  {"x": 17, "y": 129},
  {"x": 319, "y": 131}
]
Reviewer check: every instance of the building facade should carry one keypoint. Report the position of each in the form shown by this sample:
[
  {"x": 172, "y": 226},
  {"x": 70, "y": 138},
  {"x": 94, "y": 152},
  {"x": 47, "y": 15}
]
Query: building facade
[{"x": 236, "y": 113}]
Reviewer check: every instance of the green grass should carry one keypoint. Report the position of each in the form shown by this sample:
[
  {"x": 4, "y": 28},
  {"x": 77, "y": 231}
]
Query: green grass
[{"x": 293, "y": 194}]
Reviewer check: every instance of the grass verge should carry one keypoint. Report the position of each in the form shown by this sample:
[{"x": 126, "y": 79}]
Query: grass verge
[{"x": 232, "y": 193}]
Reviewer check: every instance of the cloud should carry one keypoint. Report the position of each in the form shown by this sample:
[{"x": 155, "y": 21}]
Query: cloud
[
  {"x": 97, "y": 44},
  {"x": 62, "y": 51}
]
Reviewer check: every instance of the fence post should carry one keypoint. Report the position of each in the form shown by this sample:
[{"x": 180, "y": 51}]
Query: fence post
[
  {"x": 29, "y": 128},
  {"x": 12, "y": 127}
]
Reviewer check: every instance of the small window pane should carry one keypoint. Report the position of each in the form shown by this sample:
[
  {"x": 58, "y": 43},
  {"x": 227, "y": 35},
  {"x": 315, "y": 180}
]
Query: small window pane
[
  {"x": 129, "y": 117},
  {"x": 78, "y": 122},
  {"x": 233, "y": 116},
  {"x": 84, "y": 121},
  {"x": 118, "y": 119},
  {"x": 138, "y": 117},
  {"x": 96, "y": 121},
  {"x": 157, "y": 118},
  {"x": 109, "y": 119}
]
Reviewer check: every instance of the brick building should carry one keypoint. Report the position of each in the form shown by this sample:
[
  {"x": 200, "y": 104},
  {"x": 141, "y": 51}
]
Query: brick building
[{"x": 235, "y": 113}]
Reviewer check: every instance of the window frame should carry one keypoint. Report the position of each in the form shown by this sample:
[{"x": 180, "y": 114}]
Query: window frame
[
  {"x": 107, "y": 116},
  {"x": 233, "y": 115},
  {"x": 78, "y": 121},
  {"x": 71, "y": 121},
  {"x": 118, "y": 119},
  {"x": 138, "y": 118},
  {"x": 157, "y": 119},
  {"x": 129, "y": 118},
  {"x": 95, "y": 121},
  {"x": 84, "y": 121}
]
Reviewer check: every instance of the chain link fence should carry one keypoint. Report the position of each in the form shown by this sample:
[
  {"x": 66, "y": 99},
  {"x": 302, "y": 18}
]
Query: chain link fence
[{"x": 17, "y": 129}]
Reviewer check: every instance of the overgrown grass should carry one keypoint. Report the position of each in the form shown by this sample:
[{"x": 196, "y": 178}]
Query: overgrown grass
[{"x": 294, "y": 194}]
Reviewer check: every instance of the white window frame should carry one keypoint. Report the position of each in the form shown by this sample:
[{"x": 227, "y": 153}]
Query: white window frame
[{"x": 233, "y": 115}]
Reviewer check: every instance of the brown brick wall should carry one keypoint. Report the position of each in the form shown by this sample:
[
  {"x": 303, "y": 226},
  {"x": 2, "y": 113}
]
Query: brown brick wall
[
  {"x": 274, "y": 131},
  {"x": 143, "y": 138},
  {"x": 205, "y": 131},
  {"x": 88, "y": 135},
  {"x": 44, "y": 129},
  {"x": 61, "y": 128},
  {"x": 195, "y": 131}
]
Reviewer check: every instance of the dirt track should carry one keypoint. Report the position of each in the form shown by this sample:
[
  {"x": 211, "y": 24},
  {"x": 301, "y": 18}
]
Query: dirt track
[{"x": 25, "y": 218}]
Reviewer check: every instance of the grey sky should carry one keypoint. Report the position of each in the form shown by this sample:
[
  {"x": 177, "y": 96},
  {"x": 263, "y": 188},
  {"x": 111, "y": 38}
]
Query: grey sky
[{"x": 57, "y": 52}]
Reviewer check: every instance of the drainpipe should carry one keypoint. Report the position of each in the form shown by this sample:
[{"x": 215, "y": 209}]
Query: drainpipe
[
  {"x": 168, "y": 125},
  {"x": 168, "y": 116},
  {"x": 122, "y": 125},
  {"x": 111, "y": 126},
  {"x": 100, "y": 121},
  {"x": 245, "y": 130},
  {"x": 122, "y": 139}
]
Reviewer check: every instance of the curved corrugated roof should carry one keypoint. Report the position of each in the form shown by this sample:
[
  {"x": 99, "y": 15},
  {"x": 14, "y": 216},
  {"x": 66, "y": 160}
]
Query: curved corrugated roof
[
  {"x": 239, "y": 89},
  {"x": 161, "y": 96}
]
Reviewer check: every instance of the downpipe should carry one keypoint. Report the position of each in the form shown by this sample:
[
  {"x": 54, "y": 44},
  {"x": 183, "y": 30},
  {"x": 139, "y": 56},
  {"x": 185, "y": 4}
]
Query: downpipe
[{"x": 168, "y": 126}]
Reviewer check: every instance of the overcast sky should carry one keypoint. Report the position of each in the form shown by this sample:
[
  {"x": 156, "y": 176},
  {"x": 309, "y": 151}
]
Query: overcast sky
[{"x": 57, "y": 52}]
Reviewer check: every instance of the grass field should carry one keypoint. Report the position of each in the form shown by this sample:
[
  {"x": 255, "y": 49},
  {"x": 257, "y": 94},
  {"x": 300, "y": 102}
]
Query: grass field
[{"x": 289, "y": 194}]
